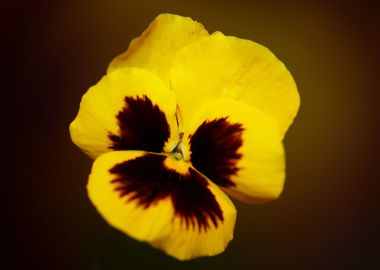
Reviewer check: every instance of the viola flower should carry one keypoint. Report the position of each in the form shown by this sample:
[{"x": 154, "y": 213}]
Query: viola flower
[{"x": 181, "y": 119}]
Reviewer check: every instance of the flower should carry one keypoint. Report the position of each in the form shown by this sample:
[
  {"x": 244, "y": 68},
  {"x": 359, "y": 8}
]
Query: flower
[{"x": 181, "y": 119}]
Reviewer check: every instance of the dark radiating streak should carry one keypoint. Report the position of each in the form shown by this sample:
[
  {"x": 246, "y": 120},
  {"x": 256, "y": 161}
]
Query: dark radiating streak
[
  {"x": 142, "y": 126},
  {"x": 215, "y": 150},
  {"x": 148, "y": 181}
]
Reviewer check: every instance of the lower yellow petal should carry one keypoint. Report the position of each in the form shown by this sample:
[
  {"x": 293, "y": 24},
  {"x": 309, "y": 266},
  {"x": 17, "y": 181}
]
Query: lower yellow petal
[
  {"x": 144, "y": 196},
  {"x": 238, "y": 148}
]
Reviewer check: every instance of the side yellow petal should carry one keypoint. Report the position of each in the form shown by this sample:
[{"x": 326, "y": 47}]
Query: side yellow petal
[
  {"x": 238, "y": 147},
  {"x": 132, "y": 193},
  {"x": 128, "y": 109},
  {"x": 155, "y": 49},
  {"x": 224, "y": 66}
]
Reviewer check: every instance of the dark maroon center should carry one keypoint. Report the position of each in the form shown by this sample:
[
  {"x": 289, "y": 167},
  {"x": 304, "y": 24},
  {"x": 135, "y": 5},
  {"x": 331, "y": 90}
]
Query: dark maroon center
[{"x": 214, "y": 152}]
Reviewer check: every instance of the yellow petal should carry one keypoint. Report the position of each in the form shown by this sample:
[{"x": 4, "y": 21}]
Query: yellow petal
[
  {"x": 238, "y": 148},
  {"x": 129, "y": 109},
  {"x": 155, "y": 49},
  {"x": 142, "y": 195},
  {"x": 223, "y": 66}
]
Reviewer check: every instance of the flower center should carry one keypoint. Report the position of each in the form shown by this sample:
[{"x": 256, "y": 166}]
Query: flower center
[
  {"x": 177, "y": 156},
  {"x": 176, "y": 162},
  {"x": 178, "y": 151}
]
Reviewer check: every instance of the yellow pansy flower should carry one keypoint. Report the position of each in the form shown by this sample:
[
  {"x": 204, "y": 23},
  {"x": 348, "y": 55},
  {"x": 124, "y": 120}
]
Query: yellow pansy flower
[{"x": 181, "y": 119}]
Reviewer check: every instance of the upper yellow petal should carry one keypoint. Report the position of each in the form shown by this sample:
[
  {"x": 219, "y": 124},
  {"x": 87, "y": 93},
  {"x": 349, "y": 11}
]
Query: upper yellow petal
[
  {"x": 128, "y": 109},
  {"x": 223, "y": 66},
  {"x": 184, "y": 217},
  {"x": 155, "y": 49}
]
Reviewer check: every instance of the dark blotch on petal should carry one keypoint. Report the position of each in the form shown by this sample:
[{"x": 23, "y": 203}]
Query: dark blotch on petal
[
  {"x": 214, "y": 150},
  {"x": 143, "y": 126},
  {"x": 148, "y": 181}
]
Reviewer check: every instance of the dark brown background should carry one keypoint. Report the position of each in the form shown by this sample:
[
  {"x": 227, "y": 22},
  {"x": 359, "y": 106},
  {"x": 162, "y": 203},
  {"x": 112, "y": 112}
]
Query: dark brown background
[{"x": 328, "y": 214}]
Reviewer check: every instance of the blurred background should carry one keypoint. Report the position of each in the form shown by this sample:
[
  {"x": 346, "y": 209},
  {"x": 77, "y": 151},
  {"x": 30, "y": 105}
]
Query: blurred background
[{"x": 328, "y": 214}]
